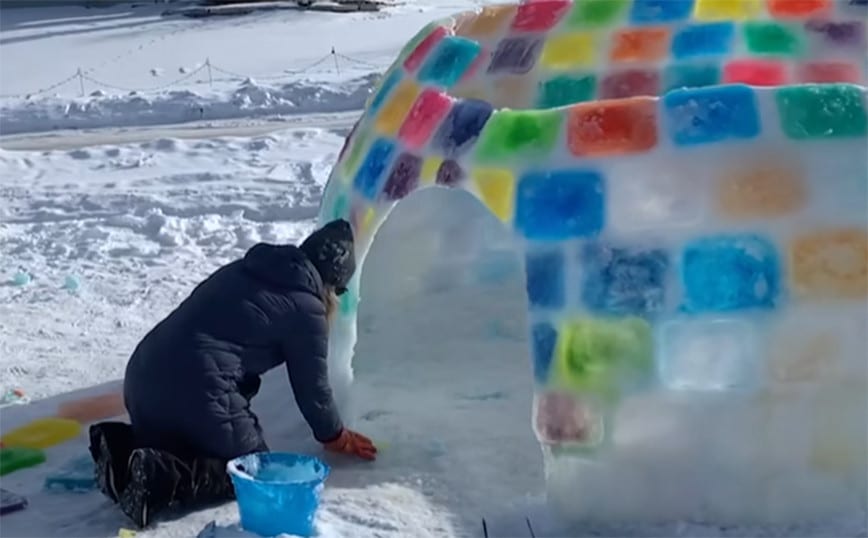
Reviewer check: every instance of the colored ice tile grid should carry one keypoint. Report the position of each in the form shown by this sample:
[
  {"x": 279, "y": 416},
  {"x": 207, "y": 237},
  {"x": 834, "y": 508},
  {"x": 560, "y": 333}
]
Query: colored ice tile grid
[{"x": 679, "y": 179}]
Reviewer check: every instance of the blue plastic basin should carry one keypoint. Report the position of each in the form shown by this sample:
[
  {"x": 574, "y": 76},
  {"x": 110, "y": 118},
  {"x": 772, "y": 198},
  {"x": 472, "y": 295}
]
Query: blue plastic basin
[{"x": 278, "y": 493}]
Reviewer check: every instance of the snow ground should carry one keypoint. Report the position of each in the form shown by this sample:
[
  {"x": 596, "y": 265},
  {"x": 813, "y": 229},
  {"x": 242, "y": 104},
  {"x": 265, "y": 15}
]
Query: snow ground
[{"x": 139, "y": 68}]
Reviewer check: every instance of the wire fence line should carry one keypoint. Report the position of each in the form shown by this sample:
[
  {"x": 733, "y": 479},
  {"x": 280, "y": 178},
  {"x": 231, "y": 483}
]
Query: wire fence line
[{"x": 330, "y": 63}]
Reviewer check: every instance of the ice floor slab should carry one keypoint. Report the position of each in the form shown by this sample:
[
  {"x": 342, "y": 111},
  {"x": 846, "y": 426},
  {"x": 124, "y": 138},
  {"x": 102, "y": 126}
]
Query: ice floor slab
[
  {"x": 74, "y": 475},
  {"x": 42, "y": 433},
  {"x": 14, "y": 458}
]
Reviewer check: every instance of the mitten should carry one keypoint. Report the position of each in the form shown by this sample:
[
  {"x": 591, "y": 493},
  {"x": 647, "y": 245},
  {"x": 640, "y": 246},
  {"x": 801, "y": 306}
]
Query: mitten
[{"x": 354, "y": 444}]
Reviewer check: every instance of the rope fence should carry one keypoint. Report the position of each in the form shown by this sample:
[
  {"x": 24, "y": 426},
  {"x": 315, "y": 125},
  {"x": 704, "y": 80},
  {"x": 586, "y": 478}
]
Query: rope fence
[{"x": 330, "y": 63}]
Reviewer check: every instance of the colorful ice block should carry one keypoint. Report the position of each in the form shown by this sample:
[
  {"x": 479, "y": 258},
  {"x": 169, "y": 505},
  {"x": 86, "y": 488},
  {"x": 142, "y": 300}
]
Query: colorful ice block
[
  {"x": 601, "y": 357},
  {"x": 42, "y": 433},
  {"x": 831, "y": 264},
  {"x": 94, "y": 408},
  {"x": 609, "y": 128},
  {"x": 76, "y": 474},
  {"x": 713, "y": 10},
  {"x": 461, "y": 127},
  {"x": 518, "y": 134},
  {"x": 496, "y": 187},
  {"x": 621, "y": 280},
  {"x": 15, "y": 458},
  {"x": 415, "y": 58},
  {"x": 370, "y": 175},
  {"x": 784, "y": 9},
  {"x": 546, "y": 279},
  {"x": 566, "y": 90},
  {"x": 540, "y": 15},
  {"x": 756, "y": 72},
  {"x": 424, "y": 116},
  {"x": 597, "y": 13},
  {"x": 730, "y": 273},
  {"x": 543, "y": 340},
  {"x": 448, "y": 62},
  {"x": 822, "y": 111},
  {"x": 660, "y": 11},
  {"x": 570, "y": 51},
  {"x": 640, "y": 45},
  {"x": 404, "y": 177},
  {"x": 515, "y": 55},
  {"x": 691, "y": 75},
  {"x": 393, "y": 113},
  {"x": 630, "y": 83},
  {"x": 707, "y": 115},
  {"x": 561, "y": 204},
  {"x": 711, "y": 39},
  {"x": 774, "y": 38}
]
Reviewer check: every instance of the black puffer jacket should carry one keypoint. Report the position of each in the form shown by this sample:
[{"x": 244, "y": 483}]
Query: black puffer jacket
[{"x": 188, "y": 383}]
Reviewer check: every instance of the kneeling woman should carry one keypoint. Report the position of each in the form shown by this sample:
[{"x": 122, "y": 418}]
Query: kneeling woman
[{"x": 189, "y": 382}]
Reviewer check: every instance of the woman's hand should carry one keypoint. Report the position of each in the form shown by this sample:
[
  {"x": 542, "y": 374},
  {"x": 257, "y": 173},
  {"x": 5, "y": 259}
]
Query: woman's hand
[{"x": 354, "y": 444}]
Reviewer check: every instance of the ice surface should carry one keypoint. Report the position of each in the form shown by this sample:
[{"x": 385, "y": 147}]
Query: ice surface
[{"x": 675, "y": 200}]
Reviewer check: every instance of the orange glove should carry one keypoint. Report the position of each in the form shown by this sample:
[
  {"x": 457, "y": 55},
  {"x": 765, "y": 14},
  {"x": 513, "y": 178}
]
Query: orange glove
[{"x": 354, "y": 444}]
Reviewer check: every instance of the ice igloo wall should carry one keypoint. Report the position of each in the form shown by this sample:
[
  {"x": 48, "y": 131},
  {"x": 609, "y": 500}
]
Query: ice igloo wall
[{"x": 696, "y": 262}]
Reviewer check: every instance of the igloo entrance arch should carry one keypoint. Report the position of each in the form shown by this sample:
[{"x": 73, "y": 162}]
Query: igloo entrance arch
[{"x": 687, "y": 181}]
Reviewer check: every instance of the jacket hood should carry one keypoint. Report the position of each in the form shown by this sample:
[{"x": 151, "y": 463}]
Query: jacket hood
[{"x": 284, "y": 266}]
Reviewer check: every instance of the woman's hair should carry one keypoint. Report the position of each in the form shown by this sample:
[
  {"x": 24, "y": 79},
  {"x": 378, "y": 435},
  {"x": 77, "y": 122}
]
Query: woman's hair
[{"x": 330, "y": 299}]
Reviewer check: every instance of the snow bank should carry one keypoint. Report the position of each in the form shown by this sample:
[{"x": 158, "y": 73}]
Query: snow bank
[{"x": 249, "y": 99}]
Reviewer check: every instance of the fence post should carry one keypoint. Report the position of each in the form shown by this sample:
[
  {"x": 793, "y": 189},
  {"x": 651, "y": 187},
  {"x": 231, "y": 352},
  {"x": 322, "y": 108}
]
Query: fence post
[
  {"x": 80, "y": 76},
  {"x": 208, "y": 65},
  {"x": 335, "y": 57}
]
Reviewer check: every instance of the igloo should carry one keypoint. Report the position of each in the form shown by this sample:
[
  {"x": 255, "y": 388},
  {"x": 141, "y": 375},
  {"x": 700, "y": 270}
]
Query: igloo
[{"x": 687, "y": 182}]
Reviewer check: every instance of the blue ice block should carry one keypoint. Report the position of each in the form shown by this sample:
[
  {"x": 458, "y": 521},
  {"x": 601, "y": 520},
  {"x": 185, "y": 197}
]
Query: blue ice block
[
  {"x": 544, "y": 337},
  {"x": 559, "y": 205},
  {"x": 660, "y": 11},
  {"x": 624, "y": 281},
  {"x": 386, "y": 87},
  {"x": 452, "y": 57},
  {"x": 712, "y": 39},
  {"x": 707, "y": 115},
  {"x": 278, "y": 493},
  {"x": 370, "y": 175},
  {"x": 462, "y": 127},
  {"x": 545, "y": 279},
  {"x": 690, "y": 75},
  {"x": 727, "y": 273},
  {"x": 75, "y": 475}
]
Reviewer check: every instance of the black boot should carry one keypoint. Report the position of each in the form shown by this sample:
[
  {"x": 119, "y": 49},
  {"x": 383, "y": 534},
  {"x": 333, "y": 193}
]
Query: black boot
[
  {"x": 159, "y": 481},
  {"x": 111, "y": 444}
]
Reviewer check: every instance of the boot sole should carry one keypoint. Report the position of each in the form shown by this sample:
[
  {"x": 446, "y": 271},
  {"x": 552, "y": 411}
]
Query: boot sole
[
  {"x": 133, "y": 500},
  {"x": 105, "y": 475}
]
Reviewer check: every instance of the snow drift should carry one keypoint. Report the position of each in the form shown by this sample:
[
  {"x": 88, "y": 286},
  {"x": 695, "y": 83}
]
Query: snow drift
[{"x": 250, "y": 99}]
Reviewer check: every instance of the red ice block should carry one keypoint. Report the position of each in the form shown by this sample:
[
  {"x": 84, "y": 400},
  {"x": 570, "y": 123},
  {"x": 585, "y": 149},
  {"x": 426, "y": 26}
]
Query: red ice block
[
  {"x": 824, "y": 72},
  {"x": 415, "y": 59},
  {"x": 630, "y": 83},
  {"x": 539, "y": 15},
  {"x": 612, "y": 127},
  {"x": 427, "y": 112},
  {"x": 755, "y": 72},
  {"x": 797, "y": 8}
]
